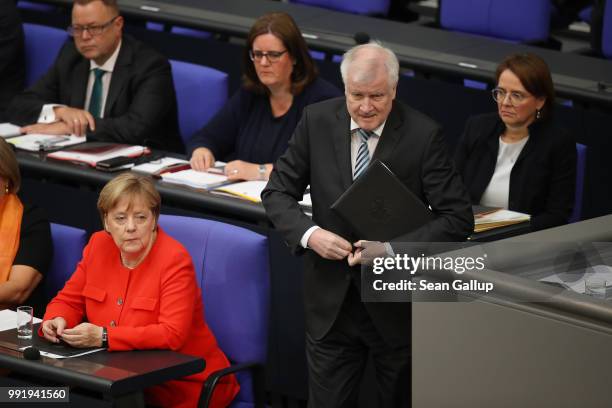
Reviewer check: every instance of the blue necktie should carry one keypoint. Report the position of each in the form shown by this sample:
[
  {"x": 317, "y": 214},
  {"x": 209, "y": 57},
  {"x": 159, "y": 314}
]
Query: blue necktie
[
  {"x": 363, "y": 154},
  {"x": 95, "y": 102}
]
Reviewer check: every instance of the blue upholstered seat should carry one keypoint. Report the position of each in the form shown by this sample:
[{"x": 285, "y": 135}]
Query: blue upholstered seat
[{"x": 232, "y": 269}]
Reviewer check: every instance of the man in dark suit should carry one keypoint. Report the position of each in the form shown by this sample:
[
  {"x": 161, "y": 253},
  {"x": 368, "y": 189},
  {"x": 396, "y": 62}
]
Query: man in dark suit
[
  {"x": 12, "y": 62},
  {"x": 326, "y": 152},
  {"x": 105, "y": 85}
]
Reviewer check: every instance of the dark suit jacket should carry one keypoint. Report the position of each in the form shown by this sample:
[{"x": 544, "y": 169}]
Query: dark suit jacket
[
  {"x": 12, "y": 61},
  {"x": 319, "y": 154},
  {"x": 543, "y": 179},
  {"x": 141, "y": 103}
]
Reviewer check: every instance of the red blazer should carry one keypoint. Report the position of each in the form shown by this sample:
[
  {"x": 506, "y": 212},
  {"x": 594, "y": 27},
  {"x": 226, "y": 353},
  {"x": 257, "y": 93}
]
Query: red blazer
[{"x": 157, "y": 305}]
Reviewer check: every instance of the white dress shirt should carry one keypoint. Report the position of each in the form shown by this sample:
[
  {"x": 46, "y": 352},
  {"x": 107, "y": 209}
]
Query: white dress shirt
[
  {"x": 47, "y": 114},
  {"x": 497, "y": 193}
]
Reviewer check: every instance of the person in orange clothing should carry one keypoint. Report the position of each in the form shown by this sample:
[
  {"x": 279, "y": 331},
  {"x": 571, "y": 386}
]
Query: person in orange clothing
[{"x": 135, "y": 288}]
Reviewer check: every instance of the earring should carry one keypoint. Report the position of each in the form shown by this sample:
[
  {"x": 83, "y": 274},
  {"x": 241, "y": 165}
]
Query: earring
[
  {"x": 6, "y": 189},
  {"x": 538, "y": 114}
]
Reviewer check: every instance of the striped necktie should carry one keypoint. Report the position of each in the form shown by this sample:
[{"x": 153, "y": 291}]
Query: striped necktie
[
  {"x": 363, "y": 154},
  {"x": 95, "y": 102}
]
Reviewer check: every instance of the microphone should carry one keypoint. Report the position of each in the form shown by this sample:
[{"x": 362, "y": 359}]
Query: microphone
[
  {"x": 31, "y": 353},
  {"x": 361, "y": 38}
]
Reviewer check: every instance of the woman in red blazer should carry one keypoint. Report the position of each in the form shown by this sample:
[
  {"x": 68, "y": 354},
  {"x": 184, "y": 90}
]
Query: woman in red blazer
[{"x": 134, "y": 289}]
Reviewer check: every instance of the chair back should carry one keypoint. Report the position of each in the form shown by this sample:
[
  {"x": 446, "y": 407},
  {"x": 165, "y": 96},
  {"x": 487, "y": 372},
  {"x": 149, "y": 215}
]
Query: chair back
[
  {"x": 581, "y": 151},
  {"x": 517, "y": 20},
  {"x": 39, "y": 7},
  {"x": 68, "y": 244},
  {"x": 42, "y": 44},
  {"x": 606, "y": 32},
  {"x": 200, "y": 92},
  {"x": 232, "y": 269},
  {"x": 350, "y": 6}
]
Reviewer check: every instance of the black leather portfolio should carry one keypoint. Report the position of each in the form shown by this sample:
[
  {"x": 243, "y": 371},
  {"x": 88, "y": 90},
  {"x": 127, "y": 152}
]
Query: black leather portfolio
[{"x": 379, "y": 207}]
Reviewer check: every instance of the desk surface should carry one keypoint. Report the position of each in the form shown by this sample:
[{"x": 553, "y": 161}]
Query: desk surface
[
  {"x": 185, "y": 197},
  {"x": 38, "y": 164},
  {"x": 111, "y": 373},
  {"x": 418, "y": 47}
]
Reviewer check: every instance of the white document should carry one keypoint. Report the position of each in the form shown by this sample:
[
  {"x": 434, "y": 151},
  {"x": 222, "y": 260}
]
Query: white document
[
  {"x": 249, "y": 190},
  {"x": 156, "y": 166},
  {"x": 39, "y": 142},
  {"x": 603, "y": 272},
  {"x": 93, "y": 155},
  {"x": 9, "y": 130},
  {"x": 8, "y": 319},
  {"x": 195, "y": 179}
]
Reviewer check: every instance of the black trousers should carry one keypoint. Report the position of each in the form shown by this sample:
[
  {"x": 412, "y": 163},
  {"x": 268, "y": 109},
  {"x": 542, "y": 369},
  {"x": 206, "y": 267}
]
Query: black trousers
[{"x": 337, "y": 361}]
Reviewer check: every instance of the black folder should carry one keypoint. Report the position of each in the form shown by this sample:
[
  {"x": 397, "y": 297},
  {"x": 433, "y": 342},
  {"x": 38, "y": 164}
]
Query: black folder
[{"x": 379, "y": 207}]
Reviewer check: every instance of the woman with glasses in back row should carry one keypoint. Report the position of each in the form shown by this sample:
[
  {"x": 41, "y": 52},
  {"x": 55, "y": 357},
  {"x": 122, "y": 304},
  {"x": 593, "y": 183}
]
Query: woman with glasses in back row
[
  {"x": 255, "y": 125},
  {"x": 518, "y": 158}
]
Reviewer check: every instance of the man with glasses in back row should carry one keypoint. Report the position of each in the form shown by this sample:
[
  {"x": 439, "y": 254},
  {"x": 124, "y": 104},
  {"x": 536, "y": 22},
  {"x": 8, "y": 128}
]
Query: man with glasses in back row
[{"x": 104, "y": 85}]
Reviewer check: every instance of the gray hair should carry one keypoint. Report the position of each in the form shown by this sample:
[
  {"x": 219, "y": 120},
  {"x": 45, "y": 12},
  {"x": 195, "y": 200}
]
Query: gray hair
[{"x": 370, "y": 63}]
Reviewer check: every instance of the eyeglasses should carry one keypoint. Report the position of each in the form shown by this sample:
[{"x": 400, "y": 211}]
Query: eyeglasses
[
  {"x": 515, "y": 98},
  {"x": 272, "y": 56},
  {"x": 93, "y": 30}
]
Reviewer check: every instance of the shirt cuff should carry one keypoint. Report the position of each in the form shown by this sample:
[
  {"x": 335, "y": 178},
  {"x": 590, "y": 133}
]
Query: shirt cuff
[
  {"x": 307, "y": 234},
  {"x": 47, "y": 114}
]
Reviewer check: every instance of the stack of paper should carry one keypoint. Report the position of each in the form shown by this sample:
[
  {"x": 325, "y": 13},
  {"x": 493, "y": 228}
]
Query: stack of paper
[
  {"x": 602, "y": 272},
  {"x": 195, "y": 179},
  {"x": 498, "y": 218},
  {"x": 39, "y": 142},
  {"x": 95, "y": 152},
  {"x": 249, "y": 190},
  {"x": 8, "y": 319},
  {"x": 157, "y": 167}
]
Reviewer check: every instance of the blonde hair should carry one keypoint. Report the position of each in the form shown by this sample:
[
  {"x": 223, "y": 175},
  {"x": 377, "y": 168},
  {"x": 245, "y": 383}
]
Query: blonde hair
[
  {"x": 9, "y": 168},
  {"x": 129, "y": 185}
]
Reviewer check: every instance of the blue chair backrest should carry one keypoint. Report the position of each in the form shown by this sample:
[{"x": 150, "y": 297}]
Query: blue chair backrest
[
  {"x": 42, "y": 44},
  {"x": 200, "y": 92},
  {"x": 586, "y": 14},
  {"x": 581, "y": 151},
  {"x": 350, "y": 6},
  {"x": 516, "y": 20},
  {"x": 68, "y": 244},
  {"x": 28, "y": 5},
  {"x": 606, "y": 32},
  {"x": 232, "y": 269}
]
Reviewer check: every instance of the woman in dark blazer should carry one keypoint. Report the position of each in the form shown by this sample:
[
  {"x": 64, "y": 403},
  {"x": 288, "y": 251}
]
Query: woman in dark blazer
[
  {"x": 253, "y": 129},
  {"x": 518, "y": 158}
]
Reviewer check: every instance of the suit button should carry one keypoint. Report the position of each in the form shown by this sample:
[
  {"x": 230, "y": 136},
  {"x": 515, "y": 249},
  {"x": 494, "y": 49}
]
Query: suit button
[
  {"x": 119, "y": 301},
  {"x": 112, "y": 323}
]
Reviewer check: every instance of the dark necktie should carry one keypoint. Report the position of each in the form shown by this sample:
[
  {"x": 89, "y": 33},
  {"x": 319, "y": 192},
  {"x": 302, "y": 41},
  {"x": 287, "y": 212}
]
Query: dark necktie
[
  {"x": 363, "y": 154},
  {"x": 95, "y": 102}
]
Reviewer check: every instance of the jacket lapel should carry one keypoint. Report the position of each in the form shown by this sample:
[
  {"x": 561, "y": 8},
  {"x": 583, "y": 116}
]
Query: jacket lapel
[
  {"x": 79, "y": 84},
  {"x": 342, "y": 146},
  {"x": 120, "y": 75},
  {"x": 534, "y": 129},
  {"x": 390, "y": 136}
]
